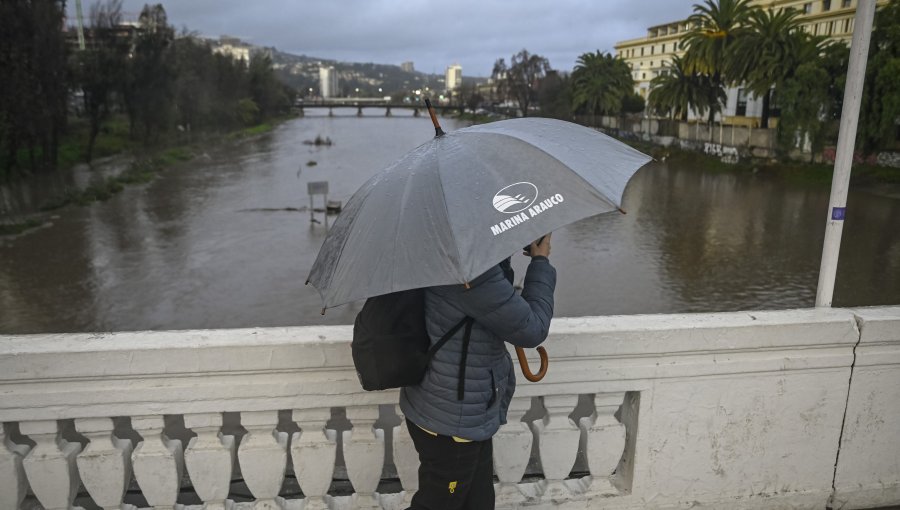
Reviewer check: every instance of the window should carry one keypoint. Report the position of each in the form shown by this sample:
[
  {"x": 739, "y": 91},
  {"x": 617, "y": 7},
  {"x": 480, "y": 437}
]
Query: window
[
  {"x": 651, "y": 63},
  {"x": 664, "y": 48},
  {"x": 830, "y": 27},
  {"x": 807, "y": 8},
  {"x": 845, "y": 4},
  {"x": 651, "y": 50},
  {"x": 741, "y": 109},
  {"x": 642, "y": 52},
  {"x": 643, "y": 76},
  {"x": 846, "y": 25},
  {"x": 826, "y": 5}
]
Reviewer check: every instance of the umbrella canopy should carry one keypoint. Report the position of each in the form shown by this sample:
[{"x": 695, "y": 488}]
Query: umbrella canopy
[{"x": 455, "y": 206}]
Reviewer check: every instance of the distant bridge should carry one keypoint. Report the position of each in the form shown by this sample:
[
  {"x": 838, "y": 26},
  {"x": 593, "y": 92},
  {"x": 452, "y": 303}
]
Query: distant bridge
[{"x": 363, "y": 102}]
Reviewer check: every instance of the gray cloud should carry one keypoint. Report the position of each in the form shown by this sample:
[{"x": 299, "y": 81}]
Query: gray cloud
[{"x": 473, "y": 33}]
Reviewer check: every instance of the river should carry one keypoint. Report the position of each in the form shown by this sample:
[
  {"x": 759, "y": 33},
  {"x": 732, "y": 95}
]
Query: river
[{"x": 221, "y": 244}]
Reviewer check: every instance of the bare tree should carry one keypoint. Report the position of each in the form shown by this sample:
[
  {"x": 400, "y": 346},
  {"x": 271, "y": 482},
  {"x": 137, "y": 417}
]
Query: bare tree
[{"x": 522, "y": 77}]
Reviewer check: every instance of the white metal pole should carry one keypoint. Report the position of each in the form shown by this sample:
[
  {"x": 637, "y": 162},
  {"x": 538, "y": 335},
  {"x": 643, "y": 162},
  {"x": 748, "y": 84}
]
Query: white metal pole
[{"x": 837, "y": 207}]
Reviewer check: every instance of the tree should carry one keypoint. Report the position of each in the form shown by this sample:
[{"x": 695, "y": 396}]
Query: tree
[
  {"x": 34, "y": 87},
  {"x": 600, "y": 83},
  {"x": 498, "y": 77},
  {"x": 99, "y": 69},
  {"x": 880, "y": 112},
  {"x": 765, "y": 54},
  {"x": 678, "y": 91},
  {"x": 716, "y": 25},
  {"x": 525, "y": 70},
  {"x": 807, "y": 93},
  {"x": 149, "y": 90},
  {"x": 555, "y": 96}
]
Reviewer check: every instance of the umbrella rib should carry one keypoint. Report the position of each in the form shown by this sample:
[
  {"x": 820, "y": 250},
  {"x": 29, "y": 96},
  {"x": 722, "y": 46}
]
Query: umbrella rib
[{"x": 449, "y": 224}]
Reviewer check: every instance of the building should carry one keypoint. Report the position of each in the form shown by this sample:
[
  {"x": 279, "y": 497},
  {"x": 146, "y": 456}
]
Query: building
[
  {"x": 328, "y": 82},
  {"x": 233, "y": 47},
  {"x": 408, "y": 67},
  {"x": 453, "y": 77},
  {"x": 649, "y": 56}
]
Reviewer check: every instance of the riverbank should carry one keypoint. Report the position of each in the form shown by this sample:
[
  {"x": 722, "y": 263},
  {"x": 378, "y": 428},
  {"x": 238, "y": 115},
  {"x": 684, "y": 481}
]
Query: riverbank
[
  {"x": 883, "y": 181},
  {"x": 880, "y": 180},
  {"x": 141, "y": 166}
]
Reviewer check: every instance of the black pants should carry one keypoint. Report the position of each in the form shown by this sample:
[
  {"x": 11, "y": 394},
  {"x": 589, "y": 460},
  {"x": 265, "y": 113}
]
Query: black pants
[{"x": 452, "y": 475}]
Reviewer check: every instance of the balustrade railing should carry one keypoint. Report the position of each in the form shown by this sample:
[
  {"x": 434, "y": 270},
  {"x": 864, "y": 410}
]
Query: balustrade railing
[{"x": 636, "y": 412}]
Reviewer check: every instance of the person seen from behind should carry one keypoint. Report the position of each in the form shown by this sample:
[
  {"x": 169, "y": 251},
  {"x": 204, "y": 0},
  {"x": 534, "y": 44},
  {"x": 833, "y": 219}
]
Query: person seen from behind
[{"x": 452, "y": 435}]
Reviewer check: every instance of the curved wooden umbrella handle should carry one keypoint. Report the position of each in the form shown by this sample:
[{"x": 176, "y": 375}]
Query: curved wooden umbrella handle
[{"x": 526, "y": 370}]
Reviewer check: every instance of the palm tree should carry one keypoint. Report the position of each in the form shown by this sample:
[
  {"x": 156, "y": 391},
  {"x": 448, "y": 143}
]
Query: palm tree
[
  {"x": 678, "y": 91},
  {"x": 716, "y": 25},
  {"x": 600, "y": 82},
  {"x": 765, "y": 54}
]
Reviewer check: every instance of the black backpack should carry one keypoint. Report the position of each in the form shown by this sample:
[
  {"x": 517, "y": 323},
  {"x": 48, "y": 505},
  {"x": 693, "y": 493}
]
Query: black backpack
[{"x": 391, "y": 347}]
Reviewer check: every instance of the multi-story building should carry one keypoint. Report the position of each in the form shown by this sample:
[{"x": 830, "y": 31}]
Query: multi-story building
[
  {"x": 328, "y": 82},
  {"x": 649, "y": 56},
  {"x": 233, "y": 47},
  {"x": 408, "y": 67},
  {"x": 453, "y": 77}
]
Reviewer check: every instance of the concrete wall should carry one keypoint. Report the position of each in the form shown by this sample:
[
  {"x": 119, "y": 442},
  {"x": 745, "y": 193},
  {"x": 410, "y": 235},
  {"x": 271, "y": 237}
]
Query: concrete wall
[{"x": 778, "y": 409}]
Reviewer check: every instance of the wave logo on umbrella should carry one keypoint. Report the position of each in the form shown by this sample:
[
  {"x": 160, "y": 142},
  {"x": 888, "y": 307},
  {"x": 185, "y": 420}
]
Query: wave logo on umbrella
[{"x": 515, "y": 197}]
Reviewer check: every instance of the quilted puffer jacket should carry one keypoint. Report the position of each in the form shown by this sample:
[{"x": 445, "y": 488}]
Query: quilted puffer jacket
[{"x": 500, "y": 316}]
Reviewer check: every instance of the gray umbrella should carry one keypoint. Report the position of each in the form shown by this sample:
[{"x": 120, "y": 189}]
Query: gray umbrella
[{"x": 455, "y": 206}]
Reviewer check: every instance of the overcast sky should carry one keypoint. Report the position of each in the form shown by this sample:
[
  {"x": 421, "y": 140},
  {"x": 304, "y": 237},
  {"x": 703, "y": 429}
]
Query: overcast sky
[{"x": 433, "y": 35}]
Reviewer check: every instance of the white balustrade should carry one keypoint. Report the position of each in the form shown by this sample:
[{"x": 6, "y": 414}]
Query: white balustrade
[
  {"x": 263, "y": 457},
  {"x": 605, "y": 440},
  {"x": 209, "y": 459},
  {"x": 364, "y": 454},
  {"x": 512, "y": 450},
  {"x": 158, "y": 462},
  {"x": 558, "y": 444},
  {"x": 50, "y": 465},
  {"x": 12, "y": 477},
  {"x": 738, "y": 410},
  {"x": 105, "y": 463},
  {"x": 313, "y": 451}
]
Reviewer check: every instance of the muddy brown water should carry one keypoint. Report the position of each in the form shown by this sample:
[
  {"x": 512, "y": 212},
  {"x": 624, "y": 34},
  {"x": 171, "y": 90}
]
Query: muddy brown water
[{"x": 226, "y": 243}]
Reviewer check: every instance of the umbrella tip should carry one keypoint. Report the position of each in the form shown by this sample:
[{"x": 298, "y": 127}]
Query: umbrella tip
[
  {"x": 307, "y": 282},
  {"x": 323, "y": 311},
  {"x": 467, "y": 285},
  {"x": 621, "y": 210}
]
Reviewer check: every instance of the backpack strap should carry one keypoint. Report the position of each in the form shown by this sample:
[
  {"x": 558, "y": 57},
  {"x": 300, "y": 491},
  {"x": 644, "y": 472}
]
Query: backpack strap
[
  {"x": 461, "y": 385},
  {"x": 467, "y": 322}
]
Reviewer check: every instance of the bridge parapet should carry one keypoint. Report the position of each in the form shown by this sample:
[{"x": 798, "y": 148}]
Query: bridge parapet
[{"x": 737, "y": 410}]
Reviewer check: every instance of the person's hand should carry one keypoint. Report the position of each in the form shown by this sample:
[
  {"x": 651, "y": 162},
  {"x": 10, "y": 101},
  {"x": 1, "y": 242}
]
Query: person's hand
[{"x": 541, "y": 249}]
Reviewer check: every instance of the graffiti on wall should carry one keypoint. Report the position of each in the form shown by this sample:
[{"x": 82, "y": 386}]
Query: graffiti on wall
[{"x": 725, "y": 153}]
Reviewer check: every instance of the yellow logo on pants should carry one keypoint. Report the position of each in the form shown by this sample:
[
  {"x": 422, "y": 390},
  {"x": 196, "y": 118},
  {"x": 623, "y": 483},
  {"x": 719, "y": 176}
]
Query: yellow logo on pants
[{"x": 452, "y": 486}]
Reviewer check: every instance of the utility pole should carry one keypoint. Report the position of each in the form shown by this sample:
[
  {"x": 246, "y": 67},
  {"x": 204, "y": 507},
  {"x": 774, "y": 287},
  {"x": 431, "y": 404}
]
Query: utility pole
[
  {"x": 80, "y": 24},
  {"x": 837, "y": 207}
]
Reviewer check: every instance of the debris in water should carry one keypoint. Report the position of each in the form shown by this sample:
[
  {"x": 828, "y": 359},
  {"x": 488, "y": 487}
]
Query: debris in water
[
  {"x": 311, "y": 163},
  {"x": 319, "y": 141}
]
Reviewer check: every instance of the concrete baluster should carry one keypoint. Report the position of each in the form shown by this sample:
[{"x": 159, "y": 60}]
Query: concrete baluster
[
  {"x": 605, "y": 440},
  {"x": 558, "y": 445},
  {"x": 406, "y": 459},
  {"x": 50, "y": 465},
  {"x": 12, "y": 477},
  {"x": 313, "y": 451},
  {"x": 158, "y": 462},
  {"x": 364, "y": 454},
  {"x": 512, "y": 449},
  {"x": 209, "y": 459},
  {"x": 105, "y": 463},
  {"x": 263, "y": 457}
]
